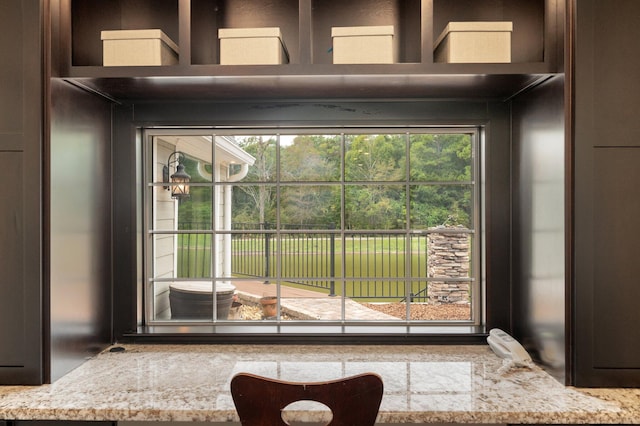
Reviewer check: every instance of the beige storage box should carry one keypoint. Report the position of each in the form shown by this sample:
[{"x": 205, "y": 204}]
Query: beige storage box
[
  {"x": 252, "y": 46},
  {"x": 474, "y": 42},
  {"x": 137, "y": 47},
  {"x": 363, "y": 45}
]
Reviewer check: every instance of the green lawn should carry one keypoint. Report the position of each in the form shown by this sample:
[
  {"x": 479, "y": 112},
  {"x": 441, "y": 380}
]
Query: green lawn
[{"x": 362, "y": 261}]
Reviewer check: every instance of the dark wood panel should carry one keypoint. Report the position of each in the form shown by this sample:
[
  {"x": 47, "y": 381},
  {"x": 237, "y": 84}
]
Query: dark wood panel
[
  {"x": 12, "y": 260},
  {"x": 263, "y": 13},
  {"x": 80, "y": 226},
  {"x": 204, "y": 32},
  {"x": 616, "y": 338},
  {"x": 528, "y": 17},
  {"x": 208, "y": 16},
  {"x": 90, "y": 17},
  {"x": 497, "y": 216},
  {"x": 127, "y": 222},
  {"x": 21, "y": 289},
  {"x": 394, "y": 86},
  {"x": 603, "y": 189},
  {"x": 534, "y": 23},
  {"x": 539, "y": 252},
  {"x": 310, "y": 113},
  {"x": 404, "y": 15},
  {"x": 616, "y": 72},
  {"x": 11, "y": 76},
  {"x": 582, "y": 187},
  {"x": 495, "y": 116},
  {"x": 11, "y": 141}
]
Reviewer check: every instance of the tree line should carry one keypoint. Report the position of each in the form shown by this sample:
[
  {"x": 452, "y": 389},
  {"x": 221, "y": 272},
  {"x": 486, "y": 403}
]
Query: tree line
[{"x": 382, "y": 176}]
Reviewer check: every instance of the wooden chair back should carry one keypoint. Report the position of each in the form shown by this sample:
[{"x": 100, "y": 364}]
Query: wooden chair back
[{"x": 353, "y": 400}]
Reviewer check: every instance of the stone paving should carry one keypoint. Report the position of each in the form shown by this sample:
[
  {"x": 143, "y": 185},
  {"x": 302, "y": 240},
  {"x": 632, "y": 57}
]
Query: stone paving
[{"x": 307, "y": 304}]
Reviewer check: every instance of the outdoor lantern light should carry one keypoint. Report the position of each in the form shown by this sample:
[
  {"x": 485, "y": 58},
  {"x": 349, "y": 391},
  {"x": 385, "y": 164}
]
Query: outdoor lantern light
[{"x": 179, "y": 180}]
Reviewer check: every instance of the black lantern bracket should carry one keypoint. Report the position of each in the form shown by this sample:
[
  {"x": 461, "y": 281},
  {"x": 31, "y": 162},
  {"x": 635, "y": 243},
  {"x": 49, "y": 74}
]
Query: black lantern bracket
[{"x": 179, "y": 181}]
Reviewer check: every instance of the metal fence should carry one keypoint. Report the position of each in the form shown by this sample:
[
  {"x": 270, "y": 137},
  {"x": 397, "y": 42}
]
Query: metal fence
[
  {"x": 370, "y": 266},
  {"x": 307, "y": 258},
  {"x": 194, "y": 250}
]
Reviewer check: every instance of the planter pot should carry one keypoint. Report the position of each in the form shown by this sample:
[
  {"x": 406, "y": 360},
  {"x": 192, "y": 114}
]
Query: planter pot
[
  {"x": 194, "y": 300},
  {"x": 269, "y": 306}
]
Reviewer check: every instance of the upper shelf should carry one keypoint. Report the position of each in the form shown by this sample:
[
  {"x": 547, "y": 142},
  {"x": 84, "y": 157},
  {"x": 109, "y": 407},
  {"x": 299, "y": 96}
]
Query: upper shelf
[
  {"x": 306, "y": 29},
  {"x": 346, "y": 86}
]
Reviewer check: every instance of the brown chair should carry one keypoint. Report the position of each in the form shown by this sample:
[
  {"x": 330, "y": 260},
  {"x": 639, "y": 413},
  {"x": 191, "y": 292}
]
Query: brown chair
[{"x": 353, "y": 400}]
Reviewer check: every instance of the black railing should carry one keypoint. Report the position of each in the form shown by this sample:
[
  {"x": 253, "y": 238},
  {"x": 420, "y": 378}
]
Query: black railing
[
  {"x": 194, "y": 250},
  {"x": 375, "y": 265},
  {"x": 307, "y": 258}
]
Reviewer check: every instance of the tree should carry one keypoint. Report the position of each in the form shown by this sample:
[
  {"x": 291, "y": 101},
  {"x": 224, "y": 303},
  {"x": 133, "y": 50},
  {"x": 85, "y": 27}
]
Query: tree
[
  {"x": 374, "y": 162},
  {"x": 442, "y": 164},
  {"x": 310, "y": 159},
  {"x": 262, "y": 171},
  {"x": 375, "y": 168}
]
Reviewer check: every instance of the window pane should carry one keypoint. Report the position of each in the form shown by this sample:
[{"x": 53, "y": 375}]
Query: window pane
[
  {"x": 308, "y": 158},
  {"x": 160, "y": 309},
  {"x": 419, "y": 249},
  {"x": 374, "y": 290},
  {"x": 441, "y": 157},
  {"x": 448, "y": 265},
  {"x": 309, "y": 207},
  {"x": 440, "y": 205},
  {"x": 444, "y": 311},
  {"x": 164, "y": 210},
  {"x": 336, "y": 227},
  {"x": 381, "y": 207},
  {"x": 252, "y": 207},
  {"x": 379, "y": 299},
  {"x": 194, "y": 256},
  {"x": 191, "y": 152},
  {"x": 263, "y": 149},
  {"x": 164, "y": 255},
  {"x": 194, "y": 213},
  {"x": 198, "y": 169},
  {"x": 374, "y": 255},
  {"x": 309, "y": 259},
  {"x": 375, "y": 157},
  {"x": 253, "y": 254}
]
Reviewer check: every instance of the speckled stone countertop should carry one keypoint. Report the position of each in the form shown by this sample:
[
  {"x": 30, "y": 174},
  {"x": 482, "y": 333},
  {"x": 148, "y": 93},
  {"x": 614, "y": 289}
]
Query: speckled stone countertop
[{"x": 423, "y": 384}]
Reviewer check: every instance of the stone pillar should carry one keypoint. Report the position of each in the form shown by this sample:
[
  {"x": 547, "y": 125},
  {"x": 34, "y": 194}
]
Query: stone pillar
[{"x": 448, "y": 257}]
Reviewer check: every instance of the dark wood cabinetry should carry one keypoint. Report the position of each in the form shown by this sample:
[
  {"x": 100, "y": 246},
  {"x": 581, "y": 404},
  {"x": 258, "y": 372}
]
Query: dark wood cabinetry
[
  {"x": 605, "y": 288},
  {"x": 306, "y": 28},
  {"x": 615, "y": 276},
  {"x": 21, "y": 206},
  {"x": 89, "y": 18},
  {"x": 602, "y": 340}
]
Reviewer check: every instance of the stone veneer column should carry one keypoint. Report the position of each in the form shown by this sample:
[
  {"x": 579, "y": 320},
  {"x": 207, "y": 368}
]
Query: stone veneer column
[{"x": 448, "y": 257}]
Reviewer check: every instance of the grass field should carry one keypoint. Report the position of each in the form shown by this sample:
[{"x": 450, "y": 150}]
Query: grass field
[{"x": 370, "y": 268}]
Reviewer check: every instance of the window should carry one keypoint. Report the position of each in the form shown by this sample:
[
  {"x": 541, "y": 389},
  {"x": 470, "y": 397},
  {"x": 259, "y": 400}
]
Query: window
[{"x": 312, "y": 228}]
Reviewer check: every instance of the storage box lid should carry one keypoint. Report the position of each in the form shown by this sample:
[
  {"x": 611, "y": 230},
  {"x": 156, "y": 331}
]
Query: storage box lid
[
  {"x": 362, "y": 31},
  {"x": 249, "y": 32},
  {"x": 137, "y": 35},
  {"x": 489, "y": 26}
]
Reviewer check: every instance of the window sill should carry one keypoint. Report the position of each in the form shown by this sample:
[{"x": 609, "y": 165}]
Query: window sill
[{"x": 274, "y": 333}]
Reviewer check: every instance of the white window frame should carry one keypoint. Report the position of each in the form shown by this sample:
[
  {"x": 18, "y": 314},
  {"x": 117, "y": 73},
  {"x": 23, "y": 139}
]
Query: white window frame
[{"x": 343, "y": 326}]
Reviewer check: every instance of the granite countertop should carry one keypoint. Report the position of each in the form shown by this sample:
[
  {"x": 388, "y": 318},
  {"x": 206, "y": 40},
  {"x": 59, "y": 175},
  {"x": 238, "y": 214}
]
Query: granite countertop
[{"x": 423, "y": 384}]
